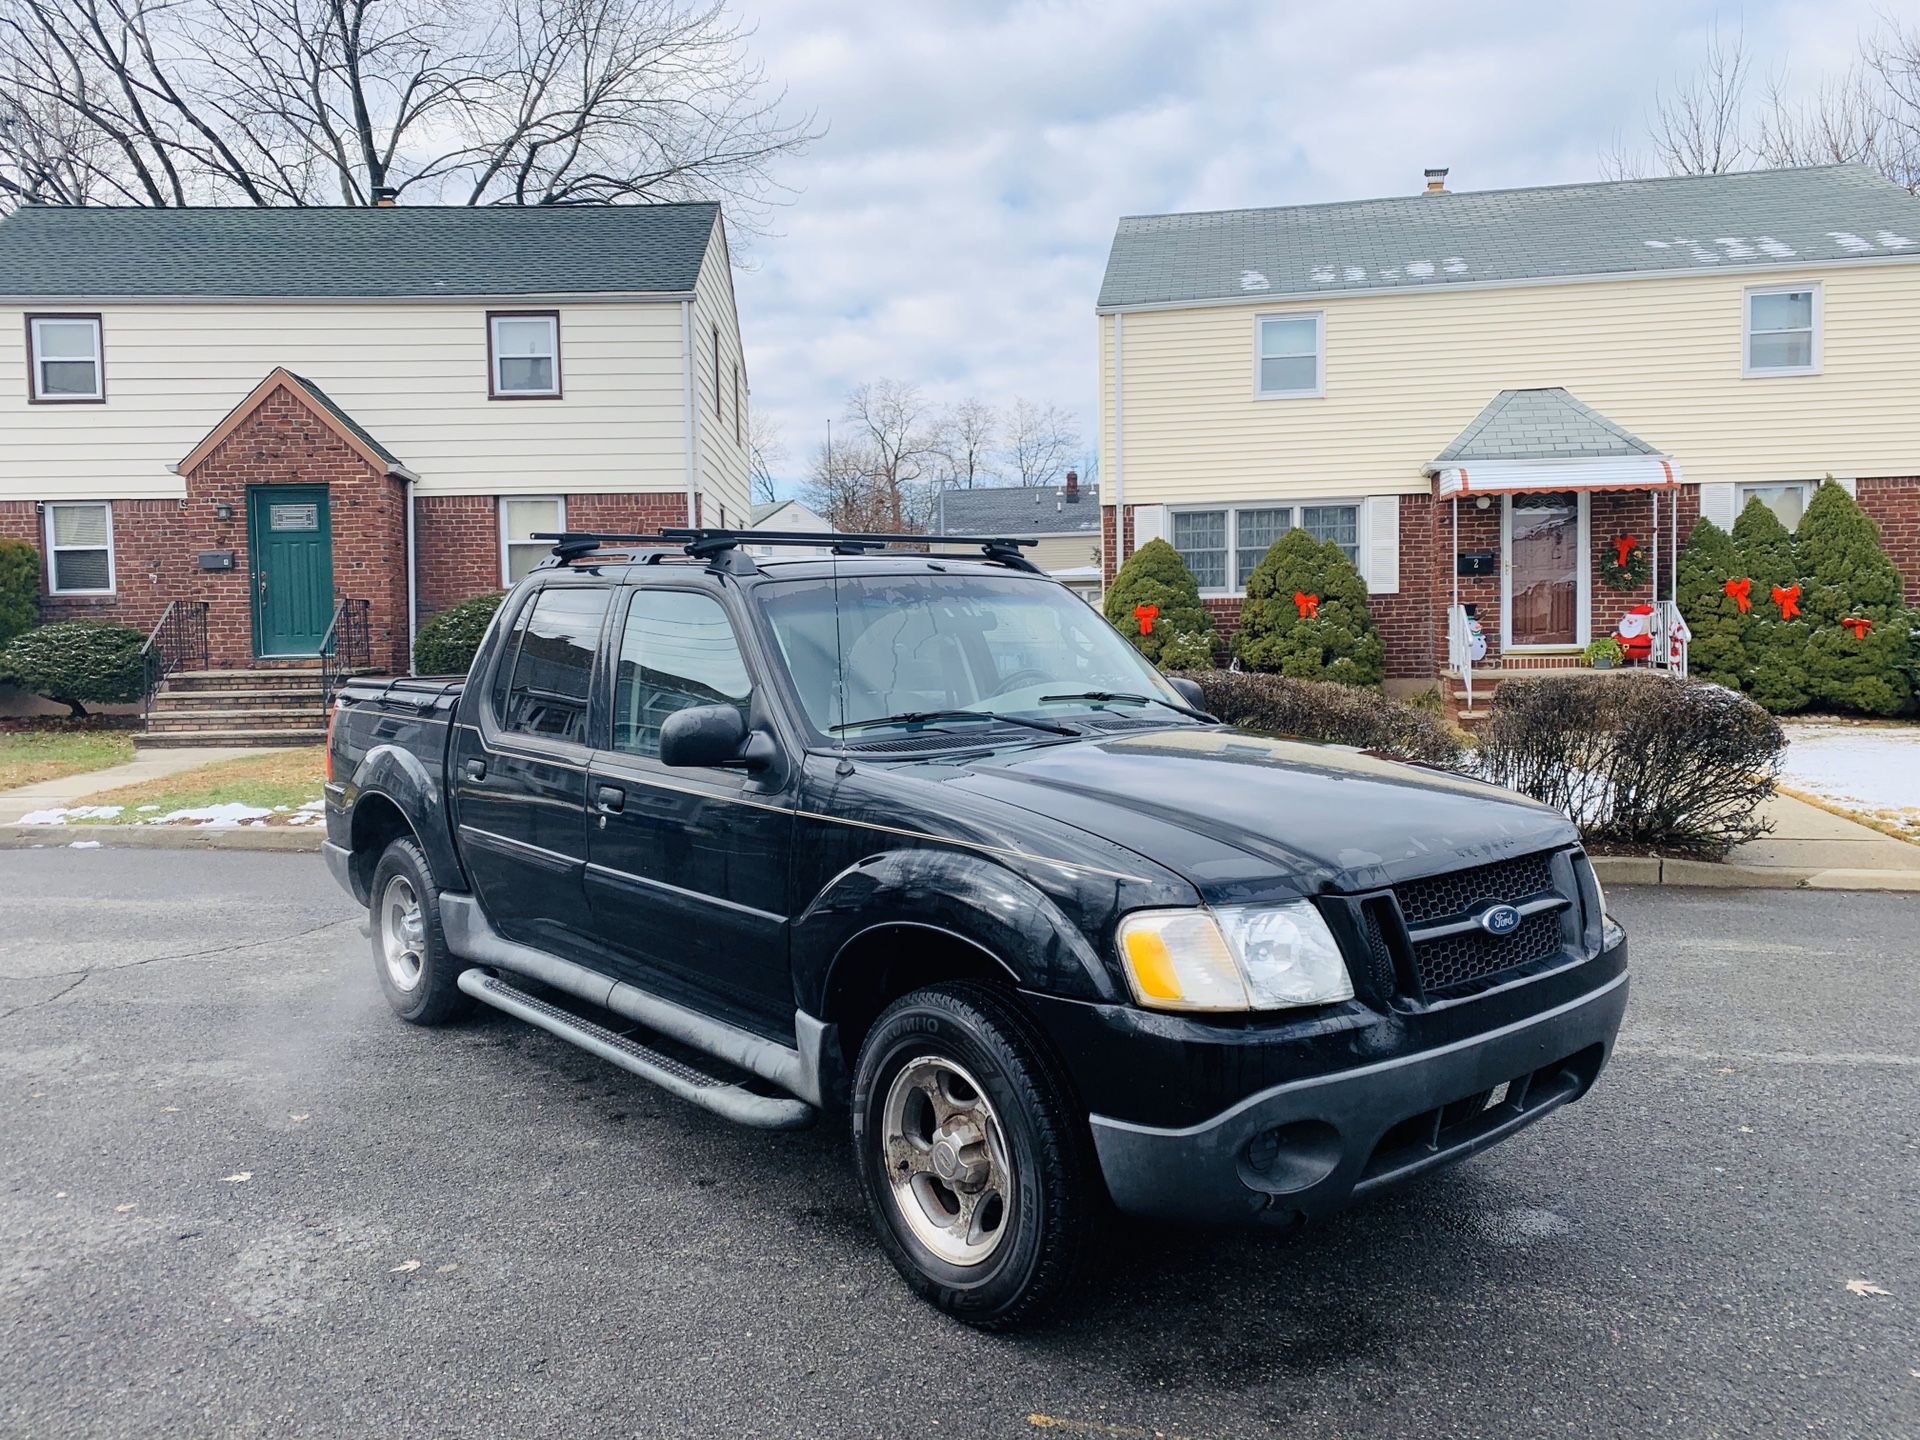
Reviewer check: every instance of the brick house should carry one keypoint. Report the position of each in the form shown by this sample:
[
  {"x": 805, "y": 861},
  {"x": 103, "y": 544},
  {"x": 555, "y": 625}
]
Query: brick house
[
  {"x": 1477, "y": 394},
  {"x": 273, "y": 412}
]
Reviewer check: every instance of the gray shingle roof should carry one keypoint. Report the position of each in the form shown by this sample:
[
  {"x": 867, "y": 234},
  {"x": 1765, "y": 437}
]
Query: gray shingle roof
[
  {"x": 57, "y": 252},
  {"x": 1546, "y": 424},
  {"x": 1749, "y": 220},
  {"x": 353, "y": 426},
  {"x": 1017, "y": 510}
]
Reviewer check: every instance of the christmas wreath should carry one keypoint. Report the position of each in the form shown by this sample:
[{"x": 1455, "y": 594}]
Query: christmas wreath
[{"x": 1624, "y": 564}]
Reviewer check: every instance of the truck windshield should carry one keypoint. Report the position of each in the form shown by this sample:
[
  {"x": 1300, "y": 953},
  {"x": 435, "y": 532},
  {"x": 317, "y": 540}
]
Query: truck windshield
[{"x": 912, "y": 645}]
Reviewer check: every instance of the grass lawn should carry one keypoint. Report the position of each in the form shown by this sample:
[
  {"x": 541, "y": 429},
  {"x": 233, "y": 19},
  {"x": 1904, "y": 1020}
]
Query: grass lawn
[
  {"x": 30, "y": 756},
  {"x": 289, "y": 778}
]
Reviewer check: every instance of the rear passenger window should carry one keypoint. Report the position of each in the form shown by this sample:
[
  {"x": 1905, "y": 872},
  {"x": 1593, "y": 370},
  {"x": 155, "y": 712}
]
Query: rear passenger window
[
  {"x": 553, "y": 665},
  {"x": 677, "y": 651}
]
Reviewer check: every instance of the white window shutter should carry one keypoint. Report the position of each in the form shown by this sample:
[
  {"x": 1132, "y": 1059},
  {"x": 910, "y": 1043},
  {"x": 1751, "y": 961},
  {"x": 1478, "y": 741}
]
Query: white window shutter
[
  {"x": 1846, "y": 483},
  {"x": 1150, "y": 523},
  {"x": 1383, "y": 544},
  {"x": 1720, "y": 504}
]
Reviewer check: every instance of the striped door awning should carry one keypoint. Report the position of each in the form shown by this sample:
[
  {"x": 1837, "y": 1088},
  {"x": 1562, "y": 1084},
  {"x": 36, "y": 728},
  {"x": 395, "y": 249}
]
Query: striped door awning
[{"x": 1512, "y": 477}]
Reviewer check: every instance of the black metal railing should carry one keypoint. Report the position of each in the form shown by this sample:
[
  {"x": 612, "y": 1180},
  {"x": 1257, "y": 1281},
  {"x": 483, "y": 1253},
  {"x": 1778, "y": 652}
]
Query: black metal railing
[
  {"x": 347, "y": 647},
  {"x": 178, "y": 642}
]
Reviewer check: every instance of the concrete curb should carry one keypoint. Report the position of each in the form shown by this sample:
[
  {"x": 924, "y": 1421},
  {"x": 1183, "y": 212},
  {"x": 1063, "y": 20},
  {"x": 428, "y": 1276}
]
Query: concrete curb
[
  {"x": 1713, "y": 874},
  {"x": 304, "y": 841}
]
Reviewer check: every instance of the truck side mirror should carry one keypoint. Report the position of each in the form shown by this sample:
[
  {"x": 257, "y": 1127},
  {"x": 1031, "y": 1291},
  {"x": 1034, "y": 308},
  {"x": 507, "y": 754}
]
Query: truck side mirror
[
  {"x": 1190, "y": 691},
  {"x": 709, "y": 735}
]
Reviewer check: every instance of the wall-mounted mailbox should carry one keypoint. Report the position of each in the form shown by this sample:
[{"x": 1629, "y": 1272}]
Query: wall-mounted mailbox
[
  {"x": 1473, "y": 562},
  {"x": 216, "y": 559}
]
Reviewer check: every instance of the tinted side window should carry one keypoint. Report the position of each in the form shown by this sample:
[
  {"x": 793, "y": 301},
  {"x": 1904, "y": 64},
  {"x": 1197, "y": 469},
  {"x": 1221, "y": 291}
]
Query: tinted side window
[
  {"x": 677, "y": 651},
  {"x": 554, "y": 665}
]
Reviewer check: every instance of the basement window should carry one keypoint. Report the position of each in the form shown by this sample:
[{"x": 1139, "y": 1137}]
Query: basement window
[
  {"x": 80, "y": 548},
  {"x": 523, "y": 354},
  {"x": 521, "y": 518},
  {"x": 67, "y": 365}
]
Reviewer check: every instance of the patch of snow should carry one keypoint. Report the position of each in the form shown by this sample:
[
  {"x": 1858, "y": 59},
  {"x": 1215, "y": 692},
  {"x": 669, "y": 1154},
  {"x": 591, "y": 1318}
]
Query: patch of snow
[
  {"x": 1454, "y": 265},
  {"x": 1889, "y": 240},
  {"x": 1420, "y": 267},
  {"x": 1860, "y": 767},
  {"x": 1353, "y": 274},
  {"x": 145, "y": 809},
  {"x": 1778, "y": 249},
  {"x": 62, "y": 814},
  {"x": 1323, "y": 273},
  {"x": 1849, "y": 241},
  {"x": 1736, "y": 248},
  {"x": 1254, "y": 280},
  {"x": 84, "y": 845},
  {"x": 1655, "y": 244},
  {"x": 303, "y": 817},
  {"x": 216, "y": 817},
  {"x": 316, "y": 806},
  {"x": 1697, "y": 250}
]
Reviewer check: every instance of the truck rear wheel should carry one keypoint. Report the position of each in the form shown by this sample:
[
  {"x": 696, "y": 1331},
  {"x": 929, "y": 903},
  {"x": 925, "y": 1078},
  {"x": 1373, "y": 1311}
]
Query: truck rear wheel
[
  {"x": 974, "y": 1162},
  {"x": 417, "y": 973}
]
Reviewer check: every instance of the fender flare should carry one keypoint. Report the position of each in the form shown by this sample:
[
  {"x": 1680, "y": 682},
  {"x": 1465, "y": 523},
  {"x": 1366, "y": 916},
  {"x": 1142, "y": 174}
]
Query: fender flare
[
  {"x": 401, "y": 778},
  {"x": 972, "y": 899}
]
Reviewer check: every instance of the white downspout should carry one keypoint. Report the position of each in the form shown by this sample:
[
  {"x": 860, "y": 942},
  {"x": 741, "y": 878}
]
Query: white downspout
[
  {"x": 1119, "y": 443},
  {"x": 693, "y": 434},
  {"x": 413, "y": 581}
]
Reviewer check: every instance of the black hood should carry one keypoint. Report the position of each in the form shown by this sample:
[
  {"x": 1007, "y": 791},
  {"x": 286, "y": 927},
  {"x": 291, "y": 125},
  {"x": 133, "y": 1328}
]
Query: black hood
[{"x": 1240, "y": 815}]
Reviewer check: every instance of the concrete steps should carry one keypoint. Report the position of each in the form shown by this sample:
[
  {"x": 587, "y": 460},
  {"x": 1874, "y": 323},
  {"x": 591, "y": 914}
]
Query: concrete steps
[{"x": 265, "y": 705}]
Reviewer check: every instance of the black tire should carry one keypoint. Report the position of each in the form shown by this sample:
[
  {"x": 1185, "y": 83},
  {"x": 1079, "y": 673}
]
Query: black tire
[
  {"x": 1045, "y": 1225},
  {"x": 435, "y": 996}
]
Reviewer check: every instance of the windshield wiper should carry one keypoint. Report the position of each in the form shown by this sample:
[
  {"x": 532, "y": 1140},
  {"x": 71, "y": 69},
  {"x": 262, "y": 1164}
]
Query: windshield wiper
[
  {"x": 1118, "y": 697},
  {"x": 919, "y": 717}
]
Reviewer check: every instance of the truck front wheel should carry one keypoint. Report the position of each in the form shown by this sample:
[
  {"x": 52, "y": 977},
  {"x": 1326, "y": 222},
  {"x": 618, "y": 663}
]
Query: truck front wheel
[
  {"x": 417, "y": 974},
  {"x": 974, "y": 1163}
]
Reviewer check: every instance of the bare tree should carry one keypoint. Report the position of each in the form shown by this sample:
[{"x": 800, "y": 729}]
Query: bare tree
[
  {"x": 843, "y": 486},
  {"x": 966, "y": 438},
  {"x": 1893, "y": 54},
  {"x": 295, "y": 102},
  {"x": 1040, "y": 440},
  {"x": 892, "y": 425},
  {"x": 766, "y": 456},
  {"x": 1699, "y": 123}
]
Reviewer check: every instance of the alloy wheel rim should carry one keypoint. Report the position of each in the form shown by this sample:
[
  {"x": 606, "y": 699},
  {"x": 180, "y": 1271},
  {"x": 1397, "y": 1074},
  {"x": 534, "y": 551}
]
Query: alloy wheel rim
[
  {"x": 403, "y": 933},
  {"x": 949, "y": 1170}
]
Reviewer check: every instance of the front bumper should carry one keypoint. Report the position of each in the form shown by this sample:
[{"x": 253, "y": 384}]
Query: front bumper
[{"x": 1307, "y": 1147}]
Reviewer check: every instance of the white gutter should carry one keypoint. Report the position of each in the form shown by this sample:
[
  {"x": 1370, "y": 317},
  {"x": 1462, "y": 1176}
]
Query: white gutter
[
  {"x": 1119, "y": 443},
  {"x": 413, "y": 579},
  {"x": 693, "y": 434}
]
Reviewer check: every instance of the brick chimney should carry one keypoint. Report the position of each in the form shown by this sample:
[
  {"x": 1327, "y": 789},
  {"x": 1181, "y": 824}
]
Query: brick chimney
[
  {"x": 385, "y": 197},
  {"x": 1437, "y": 181},
  {"x": 1073, "y": 487}
]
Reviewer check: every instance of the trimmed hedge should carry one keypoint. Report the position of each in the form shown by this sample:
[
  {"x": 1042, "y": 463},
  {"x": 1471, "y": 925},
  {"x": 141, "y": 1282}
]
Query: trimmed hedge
[
  {"x": 1341, "y": 714},
  {"x": 1338, "y": 642},
  {"x": 448, "y": 642},
  {"x": 1156, "y": 575},
  {"x": 1775, "y": 648},
  {"x": 78, "y": 662},
  {"x": 1847, "y": 575},
  {"x": 19, "y": 589},
  {"x": 1639, "y": 758}
]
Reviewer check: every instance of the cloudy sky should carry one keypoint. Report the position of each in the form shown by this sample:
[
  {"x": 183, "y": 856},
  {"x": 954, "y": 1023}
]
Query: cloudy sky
[{"x": 950, "y": 228}]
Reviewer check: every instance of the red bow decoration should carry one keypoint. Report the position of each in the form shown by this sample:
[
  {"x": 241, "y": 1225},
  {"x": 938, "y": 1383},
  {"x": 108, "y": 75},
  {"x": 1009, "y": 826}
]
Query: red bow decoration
[
  {"x": 1622, "y": 547},
  {"x": 1741, "y": 590},
  {"x": 1146, "y": 615},
  {"x": 1859, "y": 625},
  {"x": 1307, "y": 605},
  {"x": 1788, "y": 599}
]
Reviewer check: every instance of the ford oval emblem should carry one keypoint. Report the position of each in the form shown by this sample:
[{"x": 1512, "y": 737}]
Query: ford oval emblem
[{"x": 1499, "y": 919}]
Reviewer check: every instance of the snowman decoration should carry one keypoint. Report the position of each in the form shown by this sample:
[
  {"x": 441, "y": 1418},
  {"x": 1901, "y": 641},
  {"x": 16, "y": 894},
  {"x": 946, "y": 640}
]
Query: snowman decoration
[{"x": 1635, "y": 634}]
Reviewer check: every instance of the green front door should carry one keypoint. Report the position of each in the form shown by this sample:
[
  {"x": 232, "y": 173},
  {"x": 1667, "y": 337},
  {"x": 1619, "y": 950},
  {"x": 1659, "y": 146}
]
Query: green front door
[{"x": 292, "y": 545}]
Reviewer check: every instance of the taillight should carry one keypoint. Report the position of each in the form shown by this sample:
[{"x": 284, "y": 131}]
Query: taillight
[{"x": 333, "y": 713}]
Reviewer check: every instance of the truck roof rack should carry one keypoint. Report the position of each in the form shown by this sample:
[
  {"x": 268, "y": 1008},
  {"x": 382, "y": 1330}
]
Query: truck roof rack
[{"x": 722, "y": 551}]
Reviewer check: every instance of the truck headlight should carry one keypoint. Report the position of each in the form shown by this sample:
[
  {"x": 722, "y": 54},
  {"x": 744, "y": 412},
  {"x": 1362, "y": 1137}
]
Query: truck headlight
[{"x": 1233, "y": 957}]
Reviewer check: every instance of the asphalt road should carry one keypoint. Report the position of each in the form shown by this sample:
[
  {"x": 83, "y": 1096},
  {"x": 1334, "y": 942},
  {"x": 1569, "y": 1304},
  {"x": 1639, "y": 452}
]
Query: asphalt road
[{"x": 238, "y": 1198}]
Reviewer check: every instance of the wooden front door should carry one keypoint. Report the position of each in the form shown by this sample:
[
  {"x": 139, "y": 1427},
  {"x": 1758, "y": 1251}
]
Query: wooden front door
[
  {"x": 291, "y": 540},
  {"x": 1545, "y": 571}
]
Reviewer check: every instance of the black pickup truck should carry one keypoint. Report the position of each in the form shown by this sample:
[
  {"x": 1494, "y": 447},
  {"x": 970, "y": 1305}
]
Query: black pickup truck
[{"x": 921, "y": 838}]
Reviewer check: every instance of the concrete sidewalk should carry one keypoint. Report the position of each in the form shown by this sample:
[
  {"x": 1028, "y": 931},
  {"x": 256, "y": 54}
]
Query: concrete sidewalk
[
  {"x": 1809, "y": 848},
  {"x": 77, "y": 789}
]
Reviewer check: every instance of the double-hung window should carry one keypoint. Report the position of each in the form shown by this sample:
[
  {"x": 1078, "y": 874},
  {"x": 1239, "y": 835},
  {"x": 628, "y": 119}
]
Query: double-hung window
[
  {"x": 523, "y": 354},
  {"x": 1288, "y": 354},
  {"x": 80, "y": 548},
  {"x": 1783, "y": 331},
  {"x": 65, "y": 361},
  {"x": 1230, "y": 542},
  {"x": 1788, "y": 499},
  {"x": 520, "y": 520}
]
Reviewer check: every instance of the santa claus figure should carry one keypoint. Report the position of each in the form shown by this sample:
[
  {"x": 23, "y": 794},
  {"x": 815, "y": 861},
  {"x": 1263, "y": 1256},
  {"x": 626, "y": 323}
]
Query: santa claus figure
[{"x": 1636, "y": 633}]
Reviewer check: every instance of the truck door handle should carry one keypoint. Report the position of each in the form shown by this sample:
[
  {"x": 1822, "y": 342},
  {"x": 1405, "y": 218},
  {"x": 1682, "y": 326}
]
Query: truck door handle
[
  {"x": 476, "y": 769},
  {"x": 611, "y": 799}
]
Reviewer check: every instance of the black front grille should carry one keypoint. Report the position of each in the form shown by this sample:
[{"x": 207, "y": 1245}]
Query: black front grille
[
  {"x": 1449, "y": 961},
  {"x": 1461, "y": 892}
]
